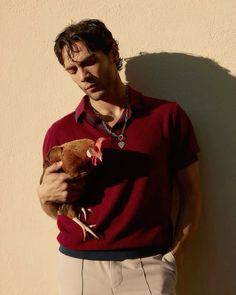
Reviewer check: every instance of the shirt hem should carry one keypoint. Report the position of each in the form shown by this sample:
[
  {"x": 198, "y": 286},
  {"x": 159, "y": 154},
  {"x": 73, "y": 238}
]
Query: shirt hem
[{"x": 114, "y": 255}]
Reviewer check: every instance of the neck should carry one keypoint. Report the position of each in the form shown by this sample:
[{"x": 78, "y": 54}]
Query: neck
[{"x": 113, "y": 104}]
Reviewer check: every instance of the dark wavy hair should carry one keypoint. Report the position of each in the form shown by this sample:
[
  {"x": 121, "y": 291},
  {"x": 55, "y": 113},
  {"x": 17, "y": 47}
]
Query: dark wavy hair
[{"x": 93, "y": 33}]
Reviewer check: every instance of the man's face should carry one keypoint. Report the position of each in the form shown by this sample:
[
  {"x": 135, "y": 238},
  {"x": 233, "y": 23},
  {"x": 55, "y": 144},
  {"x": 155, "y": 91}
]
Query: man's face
[{"x": 94, "y": 72}]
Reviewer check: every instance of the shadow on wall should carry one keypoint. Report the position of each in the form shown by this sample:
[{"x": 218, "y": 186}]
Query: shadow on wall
[{"x": 208, "y": 94}]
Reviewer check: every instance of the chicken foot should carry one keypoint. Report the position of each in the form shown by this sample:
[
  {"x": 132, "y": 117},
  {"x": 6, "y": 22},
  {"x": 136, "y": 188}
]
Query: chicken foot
[{"x": 68, "y": 210}]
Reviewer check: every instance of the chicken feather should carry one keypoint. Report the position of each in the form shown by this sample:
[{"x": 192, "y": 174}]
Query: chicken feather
[{"x": 78, "y": 158}]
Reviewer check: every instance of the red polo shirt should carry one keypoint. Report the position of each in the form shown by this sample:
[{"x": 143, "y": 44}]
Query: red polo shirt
[{"x": 130, "y": 192}]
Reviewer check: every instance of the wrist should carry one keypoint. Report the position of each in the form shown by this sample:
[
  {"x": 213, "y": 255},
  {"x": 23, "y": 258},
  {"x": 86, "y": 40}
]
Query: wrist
[{"x": 178, "y": 247}]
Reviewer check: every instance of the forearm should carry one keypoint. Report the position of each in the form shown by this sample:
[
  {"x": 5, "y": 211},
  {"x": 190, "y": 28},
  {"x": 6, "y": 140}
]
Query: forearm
[
  {"x": 187, "y": 222},
  {"x": 188, "y": 186},
  {"x": 52, "y": 189}
]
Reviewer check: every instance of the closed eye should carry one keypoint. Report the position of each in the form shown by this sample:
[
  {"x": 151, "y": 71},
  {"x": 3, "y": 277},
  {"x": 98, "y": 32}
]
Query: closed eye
[
  {"x": 72, "y": 70},
  {"x": 89, "y": 61}
]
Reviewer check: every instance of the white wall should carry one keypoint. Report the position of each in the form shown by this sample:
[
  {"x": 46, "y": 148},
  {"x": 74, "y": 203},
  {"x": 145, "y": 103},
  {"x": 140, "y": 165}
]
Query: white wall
[{"x": 190, "y": 57}]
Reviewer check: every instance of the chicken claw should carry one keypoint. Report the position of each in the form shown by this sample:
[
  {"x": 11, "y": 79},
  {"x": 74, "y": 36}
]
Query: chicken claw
[
  {"x": 85, "y": 228},
  {"x": 84, "y": 211},
  {"x": 72, "y": 212}
]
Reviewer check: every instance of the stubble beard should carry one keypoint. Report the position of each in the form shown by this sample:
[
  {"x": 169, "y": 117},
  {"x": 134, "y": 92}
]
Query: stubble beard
[{"x": 96, "y": 96}]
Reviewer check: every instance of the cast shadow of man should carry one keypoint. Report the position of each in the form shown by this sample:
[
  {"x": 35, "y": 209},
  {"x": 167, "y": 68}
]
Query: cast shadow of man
[{"x": 208, "y": 94}]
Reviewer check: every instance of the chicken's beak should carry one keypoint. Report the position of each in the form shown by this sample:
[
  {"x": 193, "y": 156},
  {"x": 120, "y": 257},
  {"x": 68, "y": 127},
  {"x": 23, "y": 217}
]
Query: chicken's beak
[
  {"x": 99, "y": 157},
  {"x": 96, "y": 159}
]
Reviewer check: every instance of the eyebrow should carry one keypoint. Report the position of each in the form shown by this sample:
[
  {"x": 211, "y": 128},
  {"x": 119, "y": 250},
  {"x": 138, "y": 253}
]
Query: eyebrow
[{"x": 70, "y": 67}]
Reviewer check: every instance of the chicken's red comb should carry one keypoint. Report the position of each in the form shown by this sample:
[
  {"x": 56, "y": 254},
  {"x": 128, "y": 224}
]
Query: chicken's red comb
[{"x": 99, "y": 142}]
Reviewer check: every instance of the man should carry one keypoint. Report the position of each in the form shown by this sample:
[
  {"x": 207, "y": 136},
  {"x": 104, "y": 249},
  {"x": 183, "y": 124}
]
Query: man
[{"x": 150, "y": 145}]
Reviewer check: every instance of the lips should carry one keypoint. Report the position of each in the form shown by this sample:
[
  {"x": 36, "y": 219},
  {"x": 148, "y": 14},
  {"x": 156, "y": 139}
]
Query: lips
[{"x": 91, "y": 87}]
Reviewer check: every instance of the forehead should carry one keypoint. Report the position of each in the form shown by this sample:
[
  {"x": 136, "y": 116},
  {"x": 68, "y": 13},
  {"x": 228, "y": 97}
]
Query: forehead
[{"x": 79, "y": 52}]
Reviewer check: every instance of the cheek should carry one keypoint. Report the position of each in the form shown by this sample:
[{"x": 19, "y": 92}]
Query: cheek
[
  {"x": 98, "y": 69},
  {"x": 103, "y": 67},
  {"x": 106, "y": 72}
]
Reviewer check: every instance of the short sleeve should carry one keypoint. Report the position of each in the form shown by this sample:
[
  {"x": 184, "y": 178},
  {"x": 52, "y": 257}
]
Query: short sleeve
[
  {"x": 184, "y": 143},
  {"x": 49, "y": 142}
]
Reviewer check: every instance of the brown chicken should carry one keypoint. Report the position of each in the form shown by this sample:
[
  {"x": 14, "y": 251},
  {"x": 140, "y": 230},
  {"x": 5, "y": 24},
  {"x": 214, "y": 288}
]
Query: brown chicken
[{"x": 78, "y": 158}]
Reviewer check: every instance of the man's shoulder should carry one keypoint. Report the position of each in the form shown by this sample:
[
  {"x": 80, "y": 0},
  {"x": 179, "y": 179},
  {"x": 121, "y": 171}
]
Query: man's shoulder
[
  {"x": 62, "y": 128},
  {"x": 159, "y": 104},
  {"x": 64, "y": 122},
  {"x": 140, "y": 99},
  {"x": 59, "y": 132},
  {"x": 156, "y": 101}
]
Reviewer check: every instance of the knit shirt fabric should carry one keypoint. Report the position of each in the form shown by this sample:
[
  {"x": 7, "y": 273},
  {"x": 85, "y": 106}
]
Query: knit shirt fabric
[{"x": 130, "y": 192}]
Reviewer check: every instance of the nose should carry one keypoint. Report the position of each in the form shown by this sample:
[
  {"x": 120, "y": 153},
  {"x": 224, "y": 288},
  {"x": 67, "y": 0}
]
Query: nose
[{"x": 84, "y": 75}]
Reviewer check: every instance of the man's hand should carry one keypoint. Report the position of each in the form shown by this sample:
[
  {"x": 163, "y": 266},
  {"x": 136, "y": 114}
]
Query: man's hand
[
  {"x": 179, "y": 256},
  {"x": 57, "y": 188}
]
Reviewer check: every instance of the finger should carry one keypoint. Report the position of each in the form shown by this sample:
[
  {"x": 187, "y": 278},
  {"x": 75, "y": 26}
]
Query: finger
[{"x": 53, "y": 168}]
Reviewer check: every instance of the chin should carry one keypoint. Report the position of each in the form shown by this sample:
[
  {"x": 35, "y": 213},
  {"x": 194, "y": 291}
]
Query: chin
[{"x": 98, "y": 95}]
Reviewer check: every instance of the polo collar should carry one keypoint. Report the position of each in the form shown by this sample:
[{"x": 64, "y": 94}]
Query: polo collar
[{"x": 136, "y": 102}]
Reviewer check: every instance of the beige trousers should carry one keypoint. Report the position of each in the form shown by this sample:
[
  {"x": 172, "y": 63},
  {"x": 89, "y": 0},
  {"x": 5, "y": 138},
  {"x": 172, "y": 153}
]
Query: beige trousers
[{"x": 154, "y": 275}]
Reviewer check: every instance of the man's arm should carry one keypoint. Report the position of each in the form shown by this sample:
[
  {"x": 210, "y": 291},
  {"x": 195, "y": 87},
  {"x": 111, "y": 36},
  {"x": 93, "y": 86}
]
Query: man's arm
[
  {"x": 56, "y": 189},
  {"x": 188, "y": 184}
]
